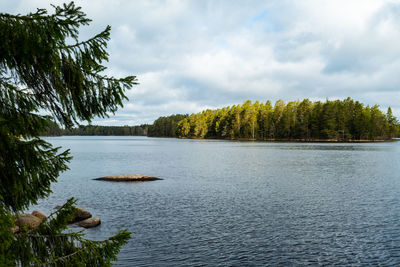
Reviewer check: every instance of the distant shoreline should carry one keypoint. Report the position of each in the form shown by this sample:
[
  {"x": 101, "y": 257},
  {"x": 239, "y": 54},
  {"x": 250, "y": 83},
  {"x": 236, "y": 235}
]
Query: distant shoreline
[
  {"x": 290, "y": 140},
  {"x": 258, "y": 139}
]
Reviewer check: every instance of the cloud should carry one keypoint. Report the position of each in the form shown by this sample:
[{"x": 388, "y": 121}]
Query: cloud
[{"x": 192, "y": 55}]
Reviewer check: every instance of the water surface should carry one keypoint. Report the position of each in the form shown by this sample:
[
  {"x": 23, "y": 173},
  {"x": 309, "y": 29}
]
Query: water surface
[{"x": 227, "y": 203}]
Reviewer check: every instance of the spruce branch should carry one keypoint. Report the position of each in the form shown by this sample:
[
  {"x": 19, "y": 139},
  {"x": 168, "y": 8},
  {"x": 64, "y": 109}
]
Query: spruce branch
[
  {"x": 69, "y": 14},
  {"x": 40, "y": 71},
  {"x": 104, "y": 35}
]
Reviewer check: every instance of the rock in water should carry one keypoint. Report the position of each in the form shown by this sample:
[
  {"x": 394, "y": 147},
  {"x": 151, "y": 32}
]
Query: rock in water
[
  {"x": 89, "y": 223},
  {"x": 39, "y": 214},
  {"x": 128, "y": 178},
  {"x": 28, "y": 220},
  {"x": 81, "y": 215}
]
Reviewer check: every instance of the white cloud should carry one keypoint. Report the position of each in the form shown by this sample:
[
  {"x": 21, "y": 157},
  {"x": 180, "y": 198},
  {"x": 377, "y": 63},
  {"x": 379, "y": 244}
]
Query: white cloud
[{"x": 191, "y": 55}]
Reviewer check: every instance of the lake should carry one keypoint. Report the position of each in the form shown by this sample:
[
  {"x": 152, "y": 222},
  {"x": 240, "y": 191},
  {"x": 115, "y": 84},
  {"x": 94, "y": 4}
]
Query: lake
[{"x": 230, "y": 203}]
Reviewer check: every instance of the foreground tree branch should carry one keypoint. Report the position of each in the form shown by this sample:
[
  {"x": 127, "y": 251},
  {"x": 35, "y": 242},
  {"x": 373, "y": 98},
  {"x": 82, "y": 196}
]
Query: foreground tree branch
[{"x": 65, "y": 80}]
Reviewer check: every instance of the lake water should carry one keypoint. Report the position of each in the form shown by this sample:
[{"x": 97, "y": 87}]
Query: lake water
[{"x": 227, "y": 203}]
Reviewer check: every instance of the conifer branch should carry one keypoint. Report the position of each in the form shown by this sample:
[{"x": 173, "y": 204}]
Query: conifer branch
[
  {"x": 64, "y": 80},
  {"x": 19, "y": 17},
  {"x": 27, "y": 234},
  {"x": 64, "y": 257},
  {"x": 103, "y": 35}
]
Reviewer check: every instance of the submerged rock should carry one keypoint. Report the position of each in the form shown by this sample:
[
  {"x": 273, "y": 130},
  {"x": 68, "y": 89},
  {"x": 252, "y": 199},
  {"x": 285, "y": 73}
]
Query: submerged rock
[
  {"x": 28, "y": 220},
  {"x": 89, "y": 223},
  {"x": 128, "y": 178}
]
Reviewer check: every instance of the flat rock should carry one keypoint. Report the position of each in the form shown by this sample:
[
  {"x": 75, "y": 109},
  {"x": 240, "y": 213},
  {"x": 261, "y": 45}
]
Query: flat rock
[
  {"x": 89, "y": 223},
  {"x": 128, "y": 178},
  {"x": 28, "y": 220},
  {"x": 81, "y": 215}
]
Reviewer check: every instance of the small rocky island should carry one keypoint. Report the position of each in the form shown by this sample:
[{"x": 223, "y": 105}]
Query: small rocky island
[{"x": 128, "y": 178}]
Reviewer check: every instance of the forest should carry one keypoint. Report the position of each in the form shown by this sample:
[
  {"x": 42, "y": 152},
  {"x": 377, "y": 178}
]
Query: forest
[
  {"x": 162, "y": 127},
  {"x": 54, "y": 130},
  {"x": 338, "y": 120},
  {"x": 166, "y": 126},
  {"x": 296, "y": 120}
]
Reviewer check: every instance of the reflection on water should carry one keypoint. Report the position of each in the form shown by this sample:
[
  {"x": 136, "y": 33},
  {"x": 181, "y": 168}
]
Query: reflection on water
[
  {"x": 309, "y": 146},
  {"x": 239, "y": 203}
]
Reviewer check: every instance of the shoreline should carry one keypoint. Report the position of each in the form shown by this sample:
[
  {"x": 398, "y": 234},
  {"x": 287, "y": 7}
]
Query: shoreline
[
  {"x": 296, "y": 140},
  {"x": 261, "y": 139}
]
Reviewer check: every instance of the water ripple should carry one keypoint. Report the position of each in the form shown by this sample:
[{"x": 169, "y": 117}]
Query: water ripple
[{"x": 240, "y": 203}]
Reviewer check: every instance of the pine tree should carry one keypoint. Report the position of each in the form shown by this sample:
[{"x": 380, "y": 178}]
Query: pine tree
[
  {"x": 392, "y": 124},
  {"x": 40, "y": 71}
]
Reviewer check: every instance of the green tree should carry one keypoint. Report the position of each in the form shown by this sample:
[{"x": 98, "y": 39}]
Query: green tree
[
  {"x": 392, "y": 124},
  {"x": 166, "y": 126},
  {"x": 221, "y": 122},
  {"x": 264, "y": 119},
  {"x": 183, "y": 128},
  {"x": 248, "y": 117},
  {"x": 41, "y": 71},
  {"x": 235, "y": 121},
  {"x": 358, "y": 126},
  {"x": 328, "y": 126},
  {"x": 288, "y": 120},
  {"x": 303, "y": 115},
  {"x": 277, "y": 125}
]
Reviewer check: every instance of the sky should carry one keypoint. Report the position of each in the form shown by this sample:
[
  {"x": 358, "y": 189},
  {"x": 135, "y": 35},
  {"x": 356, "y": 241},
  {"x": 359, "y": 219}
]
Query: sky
[{"x": 192, "y": 55}]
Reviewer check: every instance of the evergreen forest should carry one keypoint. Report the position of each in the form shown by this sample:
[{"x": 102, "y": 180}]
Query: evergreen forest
[
  {"x": 166, "y": 126},
  {"x": 296, "y": 120},
  {"x": 339, "y": 120},
  {"x": 55, "y": 130}
]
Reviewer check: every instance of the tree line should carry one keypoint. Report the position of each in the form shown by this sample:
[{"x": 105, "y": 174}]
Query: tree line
[
  {"x": 139, "y": 130},
  {"x": 162, "y": 127},
  {"x": 296, "y": 120},
  {"x": 166, "y": 126},
  {"x": 55, "y": 130}
]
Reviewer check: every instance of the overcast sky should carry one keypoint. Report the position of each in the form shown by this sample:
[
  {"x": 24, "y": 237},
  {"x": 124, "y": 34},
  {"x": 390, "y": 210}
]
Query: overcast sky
[{"x": 193, "y": 55}]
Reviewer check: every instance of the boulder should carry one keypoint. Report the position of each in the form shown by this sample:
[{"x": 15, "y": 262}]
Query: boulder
[
  {"x": 81, "y": 215},
  {"x": 89, "y": 223},
  {"x": 39, "y": 214},
  {"x": 28, "y": 220},
  {"x": 128, "y": 178}
]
